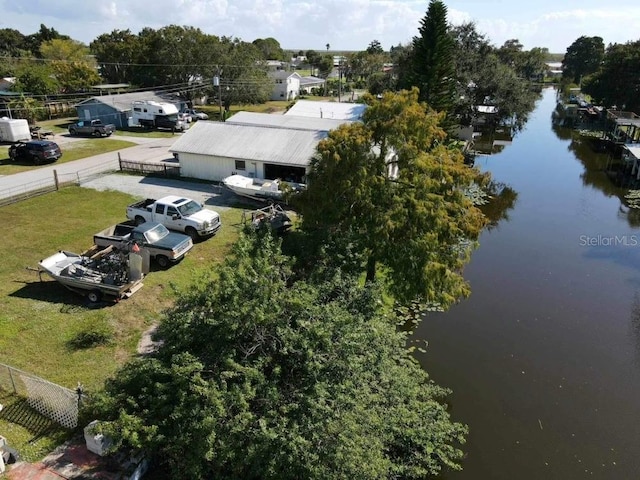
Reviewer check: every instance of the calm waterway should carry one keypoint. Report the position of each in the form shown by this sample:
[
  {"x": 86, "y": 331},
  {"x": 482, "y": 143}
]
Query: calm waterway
[{"x": 544, "y": 356}]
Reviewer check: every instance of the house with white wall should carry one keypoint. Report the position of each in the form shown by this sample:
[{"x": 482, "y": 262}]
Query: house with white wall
[
  {"x": 286, "y": 85},
  {"x": 257, "y": 145}
]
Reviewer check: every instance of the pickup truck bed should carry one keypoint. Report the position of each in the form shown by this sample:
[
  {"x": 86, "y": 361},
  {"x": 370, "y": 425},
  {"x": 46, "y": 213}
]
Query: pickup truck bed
[{"x": 163, "y": 246}]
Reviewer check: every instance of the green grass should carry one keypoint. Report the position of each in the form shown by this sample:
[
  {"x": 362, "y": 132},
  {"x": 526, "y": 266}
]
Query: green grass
[
  {"x": 28, "y": 432},
  {"x": 70, "y": 151},
  {"x": 39, "y": 319},
  {"x": 139, "y": 132}
]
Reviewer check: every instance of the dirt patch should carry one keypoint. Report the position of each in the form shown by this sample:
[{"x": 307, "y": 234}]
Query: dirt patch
[{"x": 146, "y": 344}]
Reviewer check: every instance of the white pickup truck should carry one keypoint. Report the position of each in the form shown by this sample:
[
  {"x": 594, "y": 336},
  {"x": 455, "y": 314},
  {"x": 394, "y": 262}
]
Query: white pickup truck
[{"x": 177, "y": 213}]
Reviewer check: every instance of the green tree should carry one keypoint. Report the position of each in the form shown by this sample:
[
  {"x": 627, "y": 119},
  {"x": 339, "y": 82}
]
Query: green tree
[
  {"x": 12, "y": 42},
  {"x": 71, "y": 64},
  {"x": 484, "y": 76},
  {"x": 116, "y": 52},
  {"x": 432, "y": 67},
  {"x": 35, "y": 78},
  {"x": 510, "y": 53},
  {"x": 27, "y": 107},
  {"x": 243, "y": 78},
  {"x": 583, "y": 57},
  {"x": 260, "y": 377},
  {"x": 394, "y": 192},
  {"x": 533, "y": 64},
  {"x": 45, "y": 34},
  {"x": 616, "y": 82},
  {"x": 375, "y": 48},
  {"x": 269, "y": 48}
]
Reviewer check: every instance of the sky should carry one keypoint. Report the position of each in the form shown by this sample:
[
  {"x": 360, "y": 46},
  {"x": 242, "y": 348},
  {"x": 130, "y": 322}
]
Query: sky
[{"x": 343, "y": 24}]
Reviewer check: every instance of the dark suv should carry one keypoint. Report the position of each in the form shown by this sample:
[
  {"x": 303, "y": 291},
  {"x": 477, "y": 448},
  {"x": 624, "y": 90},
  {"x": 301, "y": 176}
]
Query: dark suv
[{"x": 36, "y": 151}]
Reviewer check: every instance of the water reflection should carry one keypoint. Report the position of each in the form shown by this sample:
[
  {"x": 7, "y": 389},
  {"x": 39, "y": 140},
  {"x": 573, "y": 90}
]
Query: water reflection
[
  {"x": 601, "y": 170},
  {"x": 502, "y": 199}
]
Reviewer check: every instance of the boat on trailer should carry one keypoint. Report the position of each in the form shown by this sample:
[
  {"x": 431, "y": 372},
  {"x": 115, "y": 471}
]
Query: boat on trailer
[
  {"x": 106, "y": 272},
  {"x": 260, "y": 189}
]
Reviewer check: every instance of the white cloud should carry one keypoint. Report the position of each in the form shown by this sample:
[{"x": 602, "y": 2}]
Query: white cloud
[{"x": 345, "y": 24}]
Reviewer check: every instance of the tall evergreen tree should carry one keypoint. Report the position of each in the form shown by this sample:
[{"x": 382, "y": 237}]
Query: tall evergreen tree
[{"x": 432, "y": 62}]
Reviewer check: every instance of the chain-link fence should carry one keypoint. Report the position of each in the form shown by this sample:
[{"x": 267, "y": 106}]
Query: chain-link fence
[{"x": 58, "y": 403}]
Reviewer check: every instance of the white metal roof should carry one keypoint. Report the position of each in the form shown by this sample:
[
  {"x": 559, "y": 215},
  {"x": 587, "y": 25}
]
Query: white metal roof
[
  {"x": 122, "y": 101},
  {"x": 335, "y": 110},
  {"x": 286, "y": 121},
  {"x": 249, "y": 142}
]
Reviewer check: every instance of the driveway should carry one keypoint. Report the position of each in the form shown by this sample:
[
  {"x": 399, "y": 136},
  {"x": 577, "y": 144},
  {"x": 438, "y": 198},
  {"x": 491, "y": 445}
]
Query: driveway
[
  {"x": 207, "y": 193},
  {"x": 147, "y": 150}
]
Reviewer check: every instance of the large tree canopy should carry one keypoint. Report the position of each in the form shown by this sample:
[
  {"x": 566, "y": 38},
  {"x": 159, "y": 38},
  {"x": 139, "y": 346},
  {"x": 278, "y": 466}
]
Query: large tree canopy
[
  {"x": 616, "y": 81},
  {"x": 262, "y": 378},
  {"x": 394, "y": 191},
  {"x": 71, "y": 64},
  {"x": 495, "y": 76},
  {"x": 583, "y": 57}
]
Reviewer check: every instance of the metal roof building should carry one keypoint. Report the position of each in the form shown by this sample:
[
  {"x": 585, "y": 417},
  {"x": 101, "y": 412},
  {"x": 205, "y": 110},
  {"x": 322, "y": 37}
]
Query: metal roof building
[
  {"x": 213, "y": 151},
  {"x": 116, "y": 108},
  {"x": 286, "y": 121},
  {"x": 335, "y": 110}
]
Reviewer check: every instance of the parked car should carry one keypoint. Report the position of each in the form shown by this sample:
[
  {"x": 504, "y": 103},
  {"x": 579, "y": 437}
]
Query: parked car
[
  {"x": 36, "y": 151},
  {"x": 176, "y": 213},
  {"x": 185, "y": 117},
  {"x": 195, "y": 114},
  {"x": 94, "y": 128}
]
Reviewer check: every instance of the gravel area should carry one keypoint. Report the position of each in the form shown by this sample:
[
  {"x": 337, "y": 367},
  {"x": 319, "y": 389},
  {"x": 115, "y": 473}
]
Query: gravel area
[{"x": 207, "y": 193}]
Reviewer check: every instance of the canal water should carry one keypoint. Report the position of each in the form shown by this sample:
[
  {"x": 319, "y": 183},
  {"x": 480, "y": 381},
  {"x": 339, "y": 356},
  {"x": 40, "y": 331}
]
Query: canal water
[{"x": 544, "y": 356}]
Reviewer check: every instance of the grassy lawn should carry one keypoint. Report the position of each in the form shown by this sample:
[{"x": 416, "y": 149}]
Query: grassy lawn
[
  {"x": 39, "y": 319},
  {"x": 31, "y": 434},
  {"x": 70, "y": 152}
]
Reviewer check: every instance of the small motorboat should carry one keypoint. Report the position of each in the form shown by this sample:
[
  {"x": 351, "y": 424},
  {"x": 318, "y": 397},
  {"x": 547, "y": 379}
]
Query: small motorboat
[{"x": 258, "y": 188}]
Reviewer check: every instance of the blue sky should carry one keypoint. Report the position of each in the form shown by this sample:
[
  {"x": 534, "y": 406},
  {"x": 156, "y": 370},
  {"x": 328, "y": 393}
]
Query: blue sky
[{"x": 344, "y": 24}]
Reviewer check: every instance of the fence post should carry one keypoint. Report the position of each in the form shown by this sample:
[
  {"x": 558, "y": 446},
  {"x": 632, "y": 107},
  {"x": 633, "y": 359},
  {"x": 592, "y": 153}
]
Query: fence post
[
  {"x": 13, "y": 384},
  {"x": 55, "y": 179}
]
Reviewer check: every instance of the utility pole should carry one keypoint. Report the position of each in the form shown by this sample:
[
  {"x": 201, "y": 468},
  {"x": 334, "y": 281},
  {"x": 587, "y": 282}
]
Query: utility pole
[
  {"x": 216, "y": 83},
  {"x": 339, "y": 79}
]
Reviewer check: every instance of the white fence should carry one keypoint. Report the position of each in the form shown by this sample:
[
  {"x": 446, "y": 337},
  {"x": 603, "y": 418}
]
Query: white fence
[{"x": 58, "y": 403}]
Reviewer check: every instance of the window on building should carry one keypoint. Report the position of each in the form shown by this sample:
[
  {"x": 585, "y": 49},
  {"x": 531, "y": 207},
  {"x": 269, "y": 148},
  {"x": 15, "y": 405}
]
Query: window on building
[{"x": 241, "y": 165}]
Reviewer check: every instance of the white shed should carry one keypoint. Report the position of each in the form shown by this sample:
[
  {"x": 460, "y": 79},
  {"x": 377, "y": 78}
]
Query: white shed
[{"x": 214, "y": 150}]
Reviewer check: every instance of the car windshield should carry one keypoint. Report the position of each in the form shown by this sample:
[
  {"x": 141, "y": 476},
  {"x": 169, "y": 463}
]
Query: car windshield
[
  {"x": 189, "y": 208},
  {"x": 156, "y": 233}
]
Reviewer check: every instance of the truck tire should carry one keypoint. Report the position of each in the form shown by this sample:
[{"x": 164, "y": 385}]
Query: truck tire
[
  {"x": 162, "y": 261},
  {"x": 97, "y": 134},
  {"x": 94, "y": 296},
  {"x": 72, "y": 131},
  {"x": 139, "y": 220},
  {"x": 192, "y": 233}
]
